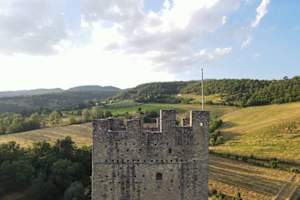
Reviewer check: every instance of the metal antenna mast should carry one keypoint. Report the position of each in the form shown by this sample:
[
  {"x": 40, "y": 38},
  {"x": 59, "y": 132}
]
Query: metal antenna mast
[{"x": 202, "y": 89}]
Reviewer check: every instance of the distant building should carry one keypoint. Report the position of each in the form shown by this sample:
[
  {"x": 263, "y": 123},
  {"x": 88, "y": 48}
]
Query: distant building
[{"x": 168, "y": 162}]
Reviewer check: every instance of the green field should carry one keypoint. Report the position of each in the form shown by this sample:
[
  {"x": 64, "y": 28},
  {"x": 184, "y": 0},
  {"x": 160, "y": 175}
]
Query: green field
[
  {"x": 266, "y": 132},
  {"x": 81, "y": 134},
  {"x": 131, "y": 107}
]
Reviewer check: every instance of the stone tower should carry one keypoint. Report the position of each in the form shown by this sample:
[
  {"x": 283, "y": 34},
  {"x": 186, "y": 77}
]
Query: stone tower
[{"x": 163, "y": 163}]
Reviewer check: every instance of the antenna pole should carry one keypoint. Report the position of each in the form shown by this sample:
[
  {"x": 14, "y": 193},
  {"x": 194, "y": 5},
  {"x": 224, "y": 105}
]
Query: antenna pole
[{"x": 202, "y": 89}]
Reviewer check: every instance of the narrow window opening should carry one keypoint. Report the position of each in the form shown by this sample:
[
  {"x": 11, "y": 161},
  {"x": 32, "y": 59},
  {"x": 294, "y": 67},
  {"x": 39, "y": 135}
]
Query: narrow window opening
[
  {"x": 170, "y": 151},
  {"x": 159, "y": 176}
]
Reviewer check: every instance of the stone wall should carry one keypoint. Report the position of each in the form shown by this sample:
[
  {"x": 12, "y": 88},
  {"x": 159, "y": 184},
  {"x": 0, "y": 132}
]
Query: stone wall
[{"x": 169, "y": 163}]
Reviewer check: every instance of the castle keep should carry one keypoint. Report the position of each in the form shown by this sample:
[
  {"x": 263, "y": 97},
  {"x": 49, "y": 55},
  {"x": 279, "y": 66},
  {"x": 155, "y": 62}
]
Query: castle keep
[{"x": 168, "y": 162}]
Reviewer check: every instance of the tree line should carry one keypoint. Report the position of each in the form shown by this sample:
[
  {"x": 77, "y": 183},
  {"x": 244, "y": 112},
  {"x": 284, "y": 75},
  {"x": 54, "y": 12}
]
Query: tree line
[
  {"x": 235, "y": 92},
  {"x": 14, "y": 122},
  {"x": 68, "y": 100}
]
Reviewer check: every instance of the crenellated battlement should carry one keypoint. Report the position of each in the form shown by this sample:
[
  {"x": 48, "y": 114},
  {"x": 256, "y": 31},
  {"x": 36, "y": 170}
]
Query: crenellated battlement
[{"x": 167, "y": 123}]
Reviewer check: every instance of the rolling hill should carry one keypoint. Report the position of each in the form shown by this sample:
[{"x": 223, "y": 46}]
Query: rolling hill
[
  {"x": 81, "y": 134},
  {"x": 93, "y": 88},
  {"x": 266, "y": 132},
  {"x": 238, "y": 92},
  {"x": 56, "y": 99},
  {"x": 263, "y": 131},
  {"x": 29, "y": 92}
]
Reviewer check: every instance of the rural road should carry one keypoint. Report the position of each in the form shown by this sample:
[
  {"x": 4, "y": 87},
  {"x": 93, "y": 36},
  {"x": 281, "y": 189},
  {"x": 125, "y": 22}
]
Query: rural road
[{"x": 288, "y": 189}]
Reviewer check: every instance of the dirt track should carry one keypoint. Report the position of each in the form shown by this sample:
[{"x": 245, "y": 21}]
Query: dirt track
[{"x": 231, "y": 176}]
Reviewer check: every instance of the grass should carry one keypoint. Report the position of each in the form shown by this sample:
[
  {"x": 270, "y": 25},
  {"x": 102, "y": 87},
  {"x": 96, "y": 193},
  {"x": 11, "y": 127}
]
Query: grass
[
  {"x": 216, "y": 98},
  {"x": 81, "y": 133},
  {"x": 266, "y": 132},
  {"x": 132, "y": 107}
]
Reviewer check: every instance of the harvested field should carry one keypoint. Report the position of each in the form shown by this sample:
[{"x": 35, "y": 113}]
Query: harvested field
[{"x": 230, "y": 176}]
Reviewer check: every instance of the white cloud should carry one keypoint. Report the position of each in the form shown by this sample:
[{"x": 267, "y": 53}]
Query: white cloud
[
  {"x": 246, "y": 42},
  {"x": 174, "y": 33},
  {"x": 261, "y": 11},
  {"x": 31, "y": 26}
]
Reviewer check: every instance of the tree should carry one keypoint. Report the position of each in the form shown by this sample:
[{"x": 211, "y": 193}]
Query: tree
[
  {"x": 16, "y": 173},
  {"x": 43, "y": 189},
  {"x": 72, "y": 120},
  {"x": 74, "y": 192},
  {"x": 274, "y": 163},
  {"x": 16, "y": 124},
  {"x": 65, "y": 148},
  {"x": 97, "y": 113},
  {"x": 64, "y": 172},
  {"x": 49, "y": 170},
  {"x": 86, "y": 115},
  {"x": 34, "y": 122},
  {"x": 55, "y": 118},
  {"x": 150, "y": 116},
  {"x": 108, "y": 114}
]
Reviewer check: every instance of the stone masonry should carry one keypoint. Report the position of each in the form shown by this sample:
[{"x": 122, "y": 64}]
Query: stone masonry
[{"x": 168, "y": 162}]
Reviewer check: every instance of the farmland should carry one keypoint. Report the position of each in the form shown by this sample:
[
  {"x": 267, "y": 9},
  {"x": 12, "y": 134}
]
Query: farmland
[
  {"x": 81, "y": 134},
  {"x": 266, "y": 132},
  {"x": 230, "y": 176}
]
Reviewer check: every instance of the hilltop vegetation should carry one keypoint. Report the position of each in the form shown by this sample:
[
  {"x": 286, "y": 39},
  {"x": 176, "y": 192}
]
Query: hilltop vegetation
[
  {"x": 29, "y": 92},
  {"x": 56, "y": 101},
  {"x": 93, "y": 88},
  {"x": 244, "y": 92}
]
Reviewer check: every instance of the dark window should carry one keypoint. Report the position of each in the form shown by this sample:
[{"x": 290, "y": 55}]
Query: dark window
[
  {"x": 170, "y": 150},
  {"x": 159, "y": 176}
]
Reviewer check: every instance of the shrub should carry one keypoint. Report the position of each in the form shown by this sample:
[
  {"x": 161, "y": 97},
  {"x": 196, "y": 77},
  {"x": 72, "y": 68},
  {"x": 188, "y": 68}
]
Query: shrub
[
  {"x": 274, "y": 163},
  {"x": 220, "y": 140}
]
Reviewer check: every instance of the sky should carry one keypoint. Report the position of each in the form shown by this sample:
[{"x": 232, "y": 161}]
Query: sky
[{"x": 67, "y": 43}]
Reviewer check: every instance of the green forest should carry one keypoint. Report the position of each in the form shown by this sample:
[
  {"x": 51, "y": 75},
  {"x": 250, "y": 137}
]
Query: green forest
[
  {"x": 235, "y": 92},
  {"x": 61, "y": 171}
]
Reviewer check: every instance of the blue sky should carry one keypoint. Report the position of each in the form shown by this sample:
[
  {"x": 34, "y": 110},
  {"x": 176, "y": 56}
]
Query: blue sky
[
  {"x": 275, "y": 48},
  {"x": 64, "y": 43}
]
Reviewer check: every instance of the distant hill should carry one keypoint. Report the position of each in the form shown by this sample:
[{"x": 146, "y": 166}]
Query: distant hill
[
  {"x": 237, "y": 92},
  {"x": 54, "y": 99},
  {"x": 29, "y": 92},
  {"x": 93, "y": 88},
  {"x": 158, "y": 92},
  {"x": 42, "y": 91}
]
